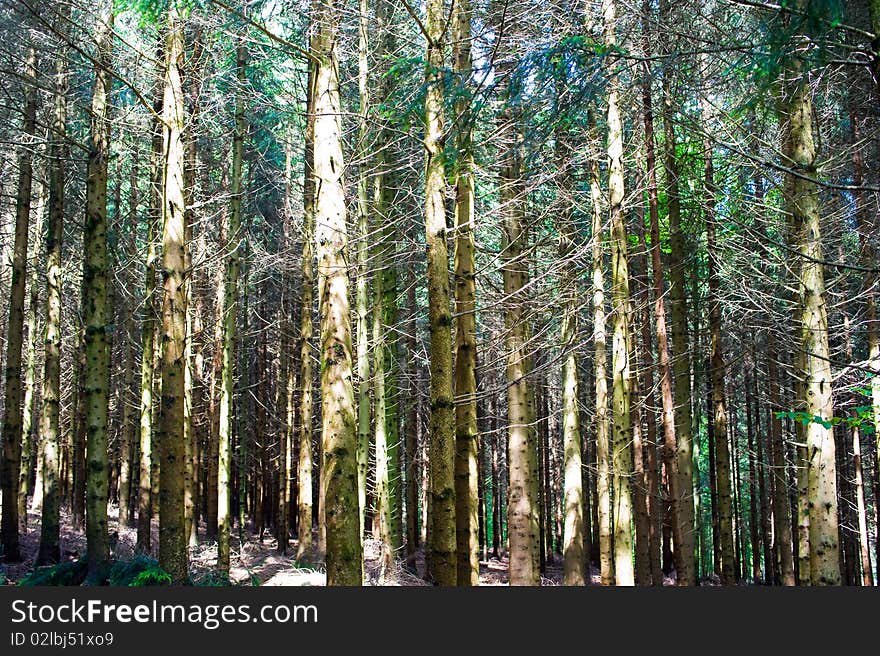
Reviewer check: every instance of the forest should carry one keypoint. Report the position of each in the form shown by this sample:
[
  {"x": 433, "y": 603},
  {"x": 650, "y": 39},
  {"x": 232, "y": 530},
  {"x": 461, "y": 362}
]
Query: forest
[{"x": 440, "y": 292}]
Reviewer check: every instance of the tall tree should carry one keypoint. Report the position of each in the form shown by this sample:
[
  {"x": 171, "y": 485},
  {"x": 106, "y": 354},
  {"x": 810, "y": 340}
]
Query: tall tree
[
  {"x": 442, "y": 420},
  {"x": 338, "y": 432},
  {"x": 171, "y": 434},
  {"x": 721, "y": 462},
  {"x": 233, "y": 251},
  {"x": 96, "y": 306},
  {"x": 574, "y": 561},
  {"x": 465, "y": 358},
  {"x": 678, "y": 311},
  {"x": 50, "y": 550},
  {"x": 150, "y": 322},
  {"x": 802, "y": 206},
  {"x": 304, "y": 549},
  {"x": 12, "y": 435},
  {"x": 363, "y": 236},
  {"x": 600, "y": 377},
  {"x": 620, "y": 367},
  {"x": 522, "y": 453}
]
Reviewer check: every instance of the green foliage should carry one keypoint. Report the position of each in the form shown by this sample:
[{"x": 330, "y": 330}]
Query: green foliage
[
  {"x": 863, "y": 419},
  {"x": 139, "y": 571},
  {"x": 64, "y": 574},
  {"x": 150, "y": 577}
]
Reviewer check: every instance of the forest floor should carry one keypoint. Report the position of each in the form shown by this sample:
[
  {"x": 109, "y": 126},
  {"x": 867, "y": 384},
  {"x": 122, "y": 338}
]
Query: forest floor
[{"x": 253, "y": 561}]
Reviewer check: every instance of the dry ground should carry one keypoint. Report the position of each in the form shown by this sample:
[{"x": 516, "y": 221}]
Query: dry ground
[{"x": 253, "y": 561}]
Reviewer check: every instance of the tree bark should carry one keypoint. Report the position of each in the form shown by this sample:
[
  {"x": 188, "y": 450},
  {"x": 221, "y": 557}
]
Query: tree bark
[
  {"x": 49, "y": 550},
  {"x": 12, "y": 435},
  {"x": 573, "y": 557},
  {"x": 442, "y": 418},
  {"x": 233, "y": 249},
  {"x": 600, "y": 362},
  {"x": 172, "y": 534},
  {"x": 802, "y": 205},
  {"x": 465, "y": 357},
  {"x": 621, "y": 461},
  {"x": 96, "y": 307},
  {"x": 339, "y": 490}
]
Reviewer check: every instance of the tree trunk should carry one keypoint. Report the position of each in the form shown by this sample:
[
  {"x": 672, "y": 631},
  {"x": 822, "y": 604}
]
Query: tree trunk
[
  {"x": 573, "y": 558},
  {"x": 684, "y": 544},
  {"x": 673, "y": 480},
  {"x": 442, "y": 418},
  {"x": 50, "y": 551},
  {"x": 305, "y": 549},
  {"x": 600, "y": 362},
  {"x": 620, "y": 368},
  {"x": 802, "y": 205},
  {"x": 235, "y": 238},
  {"x": 344, "y": 555},
  {"x": 96, "y": 307},
  {"x": 523, "y": 508},
  {"x": 361, "y": 293},
  {"x": 465, "y": 357},
  {"x": 12, "y": 429},
  {"x": 651, "y": 466},
  {"x": 781, "y": 505},
  {"x": 172, "y": 536},
  {"x": 721, "y": 460},
  {"x": 149, "y": 328}
]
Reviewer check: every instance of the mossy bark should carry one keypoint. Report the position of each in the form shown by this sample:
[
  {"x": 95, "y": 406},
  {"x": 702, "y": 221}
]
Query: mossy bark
[
  {"x": 12, "y": 429},
  {"x": 339, "y": 471},
  {"x": 97, "y": 314},
  {"x": 441, "y": 430}
]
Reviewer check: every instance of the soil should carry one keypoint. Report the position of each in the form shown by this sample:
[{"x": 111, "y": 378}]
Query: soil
[{"x": 254, "y": 560}]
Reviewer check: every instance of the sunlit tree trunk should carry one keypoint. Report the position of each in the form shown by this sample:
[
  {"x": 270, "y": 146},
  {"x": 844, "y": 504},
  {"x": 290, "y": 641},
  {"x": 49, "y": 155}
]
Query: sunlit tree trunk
[
  {"x": 344, "y": 555},
  {"x": 442, "y": 417},
  {"x": 465, "y": 358},
  {"x": 338, "y": 525},
  {"x": 233, "y": 248},
  {"x": 622, "y": 442},
  {"x": 361, "y": 289},
  {"x": 149, "y": 328},
  {"x": 523, "y": 500},
  {"x": 600, "y": 363},
  {"x": 802, "y": 205},
  {"x": 305, "y": 548},
  {"x": 573, "y": 562},
  {"x": 171, "y": 434}
]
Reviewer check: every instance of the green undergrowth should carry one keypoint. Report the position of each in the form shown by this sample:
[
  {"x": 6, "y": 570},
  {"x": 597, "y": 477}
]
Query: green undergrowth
[
  {"x": 136, "y": 572},
  {"x": 139, "y": 571}
]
